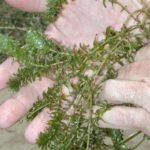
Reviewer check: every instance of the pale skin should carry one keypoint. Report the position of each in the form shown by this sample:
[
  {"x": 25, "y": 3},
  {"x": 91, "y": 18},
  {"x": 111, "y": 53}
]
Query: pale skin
[{"x": 80, "y": 22}]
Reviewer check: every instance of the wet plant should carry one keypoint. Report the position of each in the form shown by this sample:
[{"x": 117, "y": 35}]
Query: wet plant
[{"x": 76, "y": 108}]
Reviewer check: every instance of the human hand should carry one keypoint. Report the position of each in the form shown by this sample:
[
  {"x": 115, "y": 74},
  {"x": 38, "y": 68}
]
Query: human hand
[
  {"x": 132, "y": 86},
  {"x": 80, "y": 22}
]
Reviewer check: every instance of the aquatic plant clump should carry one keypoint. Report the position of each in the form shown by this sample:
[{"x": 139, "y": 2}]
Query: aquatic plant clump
[{"x": 78, "y": 75}]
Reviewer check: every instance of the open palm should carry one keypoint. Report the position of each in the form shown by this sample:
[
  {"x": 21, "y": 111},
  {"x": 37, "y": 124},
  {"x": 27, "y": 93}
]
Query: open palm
[{"x": 81, "y": 21}]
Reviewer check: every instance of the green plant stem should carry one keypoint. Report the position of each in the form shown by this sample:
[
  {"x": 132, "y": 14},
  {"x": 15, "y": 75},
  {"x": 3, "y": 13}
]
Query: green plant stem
[
  {"x": 39, "y": 109},
  {"x": 143, "y": 139},
  {"x": 106, "y": 59},
  {"x": 90, "y": 122},
  {"x": 13, "y": 28},
  {"x": 130, "y": 137}
]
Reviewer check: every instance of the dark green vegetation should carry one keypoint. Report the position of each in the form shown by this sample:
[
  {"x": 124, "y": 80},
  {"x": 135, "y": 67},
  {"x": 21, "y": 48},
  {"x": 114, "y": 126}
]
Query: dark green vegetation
[{"x": 75, "y": 130}]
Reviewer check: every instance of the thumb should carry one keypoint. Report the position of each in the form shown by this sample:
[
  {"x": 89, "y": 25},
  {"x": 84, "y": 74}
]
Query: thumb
[{"x": 29, "y": 5}]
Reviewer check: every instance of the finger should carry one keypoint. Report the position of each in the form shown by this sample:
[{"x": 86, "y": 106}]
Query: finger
[
  {"x": 40, "y": 123},
  {"x": 37, "y": 126},
  {"x": 143, "y": 53},
  {"x": 138, "y": 71},
  {"x": 30, "y": 5},
  {"x": 133, "y": 92},
  {"x": 7, "y": 69},
  {"x": 127, "y": 118},
  {"x": 15, "y": 108}
]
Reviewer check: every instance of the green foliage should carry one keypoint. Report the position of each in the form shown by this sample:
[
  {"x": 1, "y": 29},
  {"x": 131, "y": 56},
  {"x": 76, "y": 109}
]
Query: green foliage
[
  {"x": 65, "y": 65},
  {"x": 15, "y": 22},
  {"x": 55, "y": 7},
  {"x": 39, "y": 50},
  {"x": 75, "y": 116},
  {"x": 8, "y": 45}
]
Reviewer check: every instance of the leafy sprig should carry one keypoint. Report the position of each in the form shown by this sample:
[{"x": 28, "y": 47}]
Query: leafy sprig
[
  {"x": 54, "y": 8},
  {"x": 81, "y": 126},
  {"x": 75, "y": 107}
]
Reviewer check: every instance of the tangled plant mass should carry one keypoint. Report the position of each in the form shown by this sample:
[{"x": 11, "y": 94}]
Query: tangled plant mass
[{"x": 74, "y": 100}]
